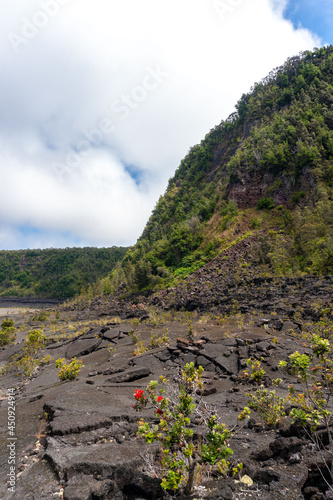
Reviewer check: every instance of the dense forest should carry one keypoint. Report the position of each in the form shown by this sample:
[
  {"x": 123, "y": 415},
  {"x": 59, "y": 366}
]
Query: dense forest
[
  {"x": 266, "y": 170},
  {"x": 60, "y": 273}
]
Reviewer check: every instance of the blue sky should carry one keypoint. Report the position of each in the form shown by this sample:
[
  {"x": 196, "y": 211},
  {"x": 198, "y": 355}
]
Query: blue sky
[
  {"x": 100, "y": 101},
  {"x": 316, "y": 15}
]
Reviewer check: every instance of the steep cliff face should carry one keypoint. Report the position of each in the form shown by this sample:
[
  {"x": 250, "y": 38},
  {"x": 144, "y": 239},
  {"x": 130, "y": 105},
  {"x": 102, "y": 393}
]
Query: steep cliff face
[
  {"x": 255, "y": 185},
  {"x": 267, "y": 166}
]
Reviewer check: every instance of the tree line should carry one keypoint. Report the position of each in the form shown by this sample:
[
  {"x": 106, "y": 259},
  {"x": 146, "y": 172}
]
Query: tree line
[{"x": 60, "y": 273}]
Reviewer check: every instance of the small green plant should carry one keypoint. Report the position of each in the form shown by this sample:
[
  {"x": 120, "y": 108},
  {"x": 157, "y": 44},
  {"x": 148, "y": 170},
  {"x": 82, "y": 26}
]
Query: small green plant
[
  {"x": 182, "y": 452},
  {"x": 265, "y": 204},
  {"x": 40, "y": 316},
  {"x": 254, "y": 372},
  {"x": 190, "y": 331},
  {"x": 297, "y": 196},
  {"x": 224, "y": 467},
  {"x": 68, "y": 371},
  {"x": 256, "y": 222},
  {"x": 35, "y": 341},
  {"x": 165, "y": 339},
  {"x": 111, "y": 349},
  {"x": 221, "y": 320},
  {"x": 312, "y": 405},
  {"x": 153, "y": 343},
  {"x": 28, "y": 361},
  {"x": 116, "y": 321},
  {"x": 7, "y": 323},
  {"x": 270, "y": 407},
  {"x": 7, "y": 332},
  {"x": 135, "y": 337},
  {"x": 26, "y": 365},
  {"x": 156, "y": 341},
  {"x": 234, "y": 307},
  {"x": 46, "y": 360},
  {"x": 139, "y": 348},
  {"x": 324, "y": 327}
]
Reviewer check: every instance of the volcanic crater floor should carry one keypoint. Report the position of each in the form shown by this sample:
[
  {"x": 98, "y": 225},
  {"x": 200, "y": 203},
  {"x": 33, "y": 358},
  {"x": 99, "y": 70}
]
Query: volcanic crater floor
[{"x": 78, "y": 440}]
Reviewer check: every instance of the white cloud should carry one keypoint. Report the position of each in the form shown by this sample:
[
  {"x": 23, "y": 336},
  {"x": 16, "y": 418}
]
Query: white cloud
[{"x": 142, "y": 81}]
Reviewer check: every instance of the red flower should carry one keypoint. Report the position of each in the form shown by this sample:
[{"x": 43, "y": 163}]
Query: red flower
[
  {"x": 159, "y": 412},
  {"x": 160, "y": 398},
  {"x": 138, "y": 394}
]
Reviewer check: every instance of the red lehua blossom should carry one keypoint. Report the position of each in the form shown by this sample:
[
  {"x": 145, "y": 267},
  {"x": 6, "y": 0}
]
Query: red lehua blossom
[
  {"x": 160, "y": 398},
  {"x": 138, "y": 394}
]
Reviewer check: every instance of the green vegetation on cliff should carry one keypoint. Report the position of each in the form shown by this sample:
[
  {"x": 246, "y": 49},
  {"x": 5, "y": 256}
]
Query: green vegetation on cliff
[
  {"x": 266, "y": 170},
  {"x": 55, "y": 272}
]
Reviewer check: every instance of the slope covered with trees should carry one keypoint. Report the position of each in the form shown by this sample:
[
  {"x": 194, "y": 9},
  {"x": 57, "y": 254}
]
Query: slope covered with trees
[
  {"x": 55, "y": 272},
  {"x": 266, "y": 171}
]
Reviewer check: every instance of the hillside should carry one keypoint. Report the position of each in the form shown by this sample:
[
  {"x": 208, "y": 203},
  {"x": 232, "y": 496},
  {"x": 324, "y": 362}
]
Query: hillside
[
  {"x": 60, "y": 273},
  {"x": 265, "y": 173}
]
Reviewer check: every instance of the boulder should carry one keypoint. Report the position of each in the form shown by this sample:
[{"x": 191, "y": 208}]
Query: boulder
[
  {"x": 129, "y": 375},
  {"x": 112, "y": 334},
  {"x": 82, "y": 347}
]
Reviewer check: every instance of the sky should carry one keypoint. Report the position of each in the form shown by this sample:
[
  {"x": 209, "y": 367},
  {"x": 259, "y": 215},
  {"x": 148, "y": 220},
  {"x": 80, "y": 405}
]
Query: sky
[{"x": 100, "y": 101}]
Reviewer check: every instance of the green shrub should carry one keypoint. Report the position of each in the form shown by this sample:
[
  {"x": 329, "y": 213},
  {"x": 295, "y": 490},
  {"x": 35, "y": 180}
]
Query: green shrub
[
  {"x": 7, "y": 323},
  {"x": 182, "y": 453},
  {"x": 156, "y": 341},
  {"x": 7, "y": 336},
  {"x": 265, "y": 204},
  {"x": 256, "y": 222},
  {"x": 40, "y": 316},
  {"x": 311, "y": 407},
  {"x": 269, "y": 406},
  {"x": 26, "y": 363},
  {"x": 254, "y": 372},
  {"x": 7, "y": 332},
  {"x": 190, "y": 331},
  {"x": 68, "y": 371},
  {"x": 296, "y": 197},
  {"x": 35, "y": 340}
]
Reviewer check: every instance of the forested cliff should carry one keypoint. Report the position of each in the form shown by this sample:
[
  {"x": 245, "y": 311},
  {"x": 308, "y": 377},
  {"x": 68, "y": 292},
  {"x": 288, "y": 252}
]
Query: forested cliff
[{"x": 266, "y": 170}]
